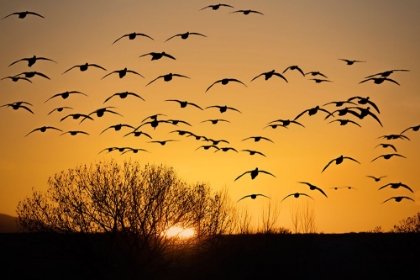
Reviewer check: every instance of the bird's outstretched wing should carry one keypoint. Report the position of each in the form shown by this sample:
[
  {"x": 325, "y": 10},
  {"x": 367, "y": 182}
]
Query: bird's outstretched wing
[{"x": 242, "y": 175}]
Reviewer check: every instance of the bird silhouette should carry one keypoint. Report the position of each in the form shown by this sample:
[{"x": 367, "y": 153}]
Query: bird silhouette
[
  {"x": 364, "y": 101},
  {"x": 377, "y": 179},
  {"x": 31, "y": 60},
  {"x": 32, "y": 74},
  {"x": 216, "y": 121},
  {"x": 176, "y": 122},
  {"x": 253, "y": 152},
  {"x": 386, "y": 145},
  {"x": 318, "y": 81},
  {"x": 296, "y": 195},
  {"x": 398, "y": 198},
  {"x": 111, "y": 149},
  {"x": 226, "y": 149},
  {"x": 182, "y": 132},
  {"x": 275, "y": 125},
  {"x": 294, "y": 67},
  {"x": 154, "y": 123},
  {"x": 184, "y": 104},
  {"x": 153, "y": 117},
  {"x": 206, "y": 147},
  {"x": 386, "y": 73},
  {"x": 185, "y": 35},
  {"x": 65, "y": 94},
  {"x": 216, "y": 7},
  {"x": 101, "y": 111},
  {"x": 132, "y": 36},
  {"x": 254, "y": 173},
  {"x": 253, "y": 196},
  {"x": 351, "y": 62},
  {"x": 365, "y": 112},
  {"x": 138, "y": 133},
  {"x": 313, "y": 188},
  {"x": 394, "y": 137},
  {"x": 345, "y": 121},
  {"x": 316, "y": 73},
  {"x": 224, "y": 82},
  {"x": 23, "y": 15},
  {"x": 268, "y": 75},
  {"x": 16, "y": 79},
  {"x": 133, "y": 150},
  {"x": 18, "y": 105},
  {"x": 124, "y": 95},
  {"x": 396, "y": 186},
  {"x": 379, "y": 80},
  {"x": 162, "y": 142},
  {"x": 217, "y": 141},
  {"x": 157, "y": 56},
  {"x": 59, "y": 109},
  {"x": 387, "y": 156},
  {"x": 43, "y": 129},
  {"x": 287, "y": 122},
  {"x": 339, "y": 160},
  {"x": 223, "y": 109},
  {"x": 339, "y": 103},
  {"x": 413, "y": 128},
  {"x": 84, "y": 67},
  {"x": 117, "y": 127},
  {"x": 197, "y": 137},
  {"x": 122, "y": 73},
  {"x": 312, "y": 111},
  {"x": 168, "y": 77},
  {"x": 76, "y": 117},
  {"x": 347, "y": 187},
  {"x": 247, "y": 12},
  {"x": 343, "y": 112},
  {"x": 258, "y": 138},
  {"x": 74, "y": 132}
]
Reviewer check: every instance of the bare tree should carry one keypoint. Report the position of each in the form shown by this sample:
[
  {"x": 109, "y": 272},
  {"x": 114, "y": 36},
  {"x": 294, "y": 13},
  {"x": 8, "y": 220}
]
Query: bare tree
[
  {"x": 303, "y": 218},
  {"x": 411, "y": 224},
  {"x": 270, "y": 215}
]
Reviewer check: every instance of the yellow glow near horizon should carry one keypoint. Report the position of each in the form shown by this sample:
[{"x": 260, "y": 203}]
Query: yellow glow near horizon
[{"x": 180, "y": 232}]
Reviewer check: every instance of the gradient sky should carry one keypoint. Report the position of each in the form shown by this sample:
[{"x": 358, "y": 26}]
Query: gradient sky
[{"x": 311, "y": 34}]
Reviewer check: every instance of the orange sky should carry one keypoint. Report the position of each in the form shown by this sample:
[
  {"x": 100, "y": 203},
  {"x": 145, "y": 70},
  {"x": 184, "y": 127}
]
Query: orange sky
[{"x": 310, "y": 34}]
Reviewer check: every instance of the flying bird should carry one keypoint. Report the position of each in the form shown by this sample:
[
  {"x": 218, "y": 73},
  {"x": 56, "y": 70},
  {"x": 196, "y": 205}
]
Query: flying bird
[
  {"x": 117, "y": 127},
  {"x": 296, "y": 195},
  {"x": 74, "y": 132},
  {"x": 157, "y": 56},
  {"x": 294, "y": 67},
  {"x": 224, "y": 82},
  {"x": 32, "y": 60},
  {"x": 176, "y": 122},
  {"x": 386, "y": 145},
  {"x": 59, "y": 109},
  {"x": 364, "y": 101},
  {"x": 386, "y": 73},
  {"x": 413, "y": 128},
  {"x": 313, "y": 188},
  {"x": 253, "y": 152},
  {"x": 226, "y": 149},
  {"x": 76, "y": 117},
  {"x": 154, "y": 123},
  {"x": 223, "y": 109},
  {"x": 185, "y": 35},
  {"x": 275, "y": 125},
  {"x": 23, "y": 15},
  {"x": 18, "y": 105},
  {"x": 138, "y": 133},
  {"x": 394, "y": 137},
  {"x": 16, "y": 79},
  {"x": 377, "y": 179},
  {"x": 135, "y": 151},
  {"x": 216, "y": 121},
  {"x": 345, "y": 121},
  {"x": 184, "y": 104},
  {"x": 32, "y": 74},
  {"x": 254, "y": 173},
  {"x": 84, "y": 67},
  {"x": 316, "y": 73},
  {"x": 216, "y": 7},
  {"x": 122, "y": 73},
  {"x": 268, "y": 75},
  {"x": 351, "y": 62},
  {"x": 132, "y": 36},
  {"x": 253, "y": 196},
  {"x": 379, "y": 80},
  {"x": 206, "y": 147},
  {"x": 65, "y": 94},
  {"x": 217, "y": 141},
  {"x": 163, "y": 142},
  {"x": 339, "y": 103},
  {"x": 287, "y": 122},
  {"x": 339, "y": 160},
  {"x": 101, "y": 111},
  {"x": 364, "y": 112},
  {"x": 123, "y": 95},
  {"x": 247, "y": 12},
  {"x": 153, "y": 117},
  {"x": 387, "y": 156},
  {"x": 318, "y": 81},
  {"x": 258, "y": 138},
  {"x": 396, "y": 186},
  {"x": 43, "y": 129},
  {"x": 398, "y": 198},
  {"x": 168, "y": 77},
  {"x": 182, "y": 132},
  {"x": 312, "y": 111}
]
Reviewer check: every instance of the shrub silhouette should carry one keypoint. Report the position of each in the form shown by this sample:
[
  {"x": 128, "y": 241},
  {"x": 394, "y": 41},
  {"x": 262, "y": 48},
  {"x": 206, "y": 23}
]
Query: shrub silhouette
[{"x": 409, "y": 225}]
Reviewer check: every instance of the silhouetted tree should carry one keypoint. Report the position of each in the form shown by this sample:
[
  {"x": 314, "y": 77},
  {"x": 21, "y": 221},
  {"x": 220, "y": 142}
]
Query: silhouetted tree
[{"x": 411, "y": 224}]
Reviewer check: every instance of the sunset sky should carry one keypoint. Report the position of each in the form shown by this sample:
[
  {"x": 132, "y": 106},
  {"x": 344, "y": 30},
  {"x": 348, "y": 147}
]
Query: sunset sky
[{"x": 311, "y": 34}]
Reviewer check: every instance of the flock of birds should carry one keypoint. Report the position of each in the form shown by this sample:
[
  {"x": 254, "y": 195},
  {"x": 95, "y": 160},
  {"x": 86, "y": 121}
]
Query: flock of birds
[{"x": 352, "y": 107}]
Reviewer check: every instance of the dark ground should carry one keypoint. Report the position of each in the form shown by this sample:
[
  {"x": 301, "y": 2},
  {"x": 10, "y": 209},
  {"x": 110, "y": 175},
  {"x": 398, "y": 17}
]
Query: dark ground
[{"x": 315, "y": 256}]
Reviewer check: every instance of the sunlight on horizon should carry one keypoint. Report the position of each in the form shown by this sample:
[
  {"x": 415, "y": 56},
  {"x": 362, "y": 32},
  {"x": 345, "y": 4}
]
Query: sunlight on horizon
[{"x": 180, "y": 232}]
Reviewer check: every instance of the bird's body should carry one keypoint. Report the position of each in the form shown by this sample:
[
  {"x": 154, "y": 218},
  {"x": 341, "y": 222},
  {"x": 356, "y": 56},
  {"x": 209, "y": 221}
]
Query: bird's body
[
  {"x": 377, "y": 179},
  {"x": 84, "y": 67},
  {"x": 253, "y": 196},
  {"x": 268, "y": 75},
  {"x": 224, "y": 82},
  {"x": 185, "y": 35},
  {"x": 313, "y": 188},
  {"x": 339, "y": 160},
  {"x": 168, "y": 77},
  {"x": 132, "y": 36},
  {"x": 388, "y": 156},
  {"x": 294, "y": 67},
  {"x": 254, "y": 173},
  {"x": 101, "y": 111},
  {"x": 157, "y": 56},
  {"x": 396, "y": 186},
  {"x": 122, "y": 73}
]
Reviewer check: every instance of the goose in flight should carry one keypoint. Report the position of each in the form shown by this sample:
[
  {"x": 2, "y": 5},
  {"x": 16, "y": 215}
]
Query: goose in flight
[
  {"x": 135, "y": 151},
  {"x": 253, "y": 196},
  {"x": 398, "y": 198},
  {"x": 138, "y": 133},
  {"x": 117, "y": 127},
  {"x": 84, "y": 67},
  {"x": 18, "y": 105},
  {"x": 339, "y": 160},
  {"x": 413, "y": 128},
  {"x": 182, "y": 132},
  {"x": 163, "y": 142},
  {"x": 275, "y": 125},
  {"x": 43, "y": 129},
  {"x": 65, "y": 94},
  {"x": 296, "y": 195},
  {"x": 199, "y": 137},
  {"x": 132, "y": 36},
  {"x": 351, "y": 62},
  {"x": 168, "y": 77},
  {"x": 23, "y": 15},
  {"x": 396, "y": 186},
  {"x": 216, "y": 7},
  {"x": 394, "y": 137},
  {"x": 253, "y": 152},
  {"x": 346, "y": 187},
  {"x": 294, "y": 67},
  {"x": 312, "y": 111},
  {"x": 101, "y": 111},
  {"x": 364, "y": 112},
  {"x": 258, "y": 138},
  {"x": 154, "y": 123},
  {"x": 386, "y": 73},
  {"x": 388, "y": 156},
  {"x": 32, "y": 74},
  {"x": 16, "y": 79},
  {"x": 123, "y": 95},
  {"x": 318, "y": 81},
  {"x": 157, "y": 56},
  {"x": 153, "y": 117},
  {"x": 59, "y": 109},
  {"x": 185, "y": 35},
  {"x": 386, "y": 145},
  {"x": 184, "y": 104},
  {"x": 339, "y": 103},
  {"x": 316, "y": 73},
  {"x": 268, "y": 75},
  {"x": 223, "y": 109},
  {"x": 224, "y": 82},
  {"x": 379, "y": 80},
  {"x": 216, "y": 121},
  {"x": 206, "y": 147},
  {"x": 76, "y": 117},
  {"x": 345, "y": 121},
  {"x": 313, "y": 188},
  {"x": 226, "y": 149},
  {"x": 364, "y": 101},
  {"x": 254, "y": 173},
  {"x": 74, "y": 132},
  {"x": 377, "y": 179},
  {"x": 122, "y": 73},
  {"x": 287, "y": 122},
  {"x": 247, "y": 12},
  {"x": 217, "y": 141},
  {"x": 31, "y": 60},
  {"x": 176, "y": 122}
]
